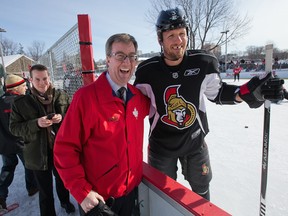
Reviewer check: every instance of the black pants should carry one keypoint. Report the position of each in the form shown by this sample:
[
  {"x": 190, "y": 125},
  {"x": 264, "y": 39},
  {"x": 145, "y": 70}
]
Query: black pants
[
  {"x": 45, "y": 185},
  {"x": 7, "y": 173},
  {"x": 195, "y": 168},
  {"x": 236, "y": 76},
  {"x": 123, "y": 206}
]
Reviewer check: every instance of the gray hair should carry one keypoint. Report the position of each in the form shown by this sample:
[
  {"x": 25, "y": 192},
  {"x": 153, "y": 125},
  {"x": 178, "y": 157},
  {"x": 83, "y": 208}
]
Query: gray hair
[{"x": 122, "y": 37}]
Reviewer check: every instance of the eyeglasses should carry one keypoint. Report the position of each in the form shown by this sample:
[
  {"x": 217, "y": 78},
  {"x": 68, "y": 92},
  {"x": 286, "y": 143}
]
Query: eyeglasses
[{"x": 121, "y": 57}]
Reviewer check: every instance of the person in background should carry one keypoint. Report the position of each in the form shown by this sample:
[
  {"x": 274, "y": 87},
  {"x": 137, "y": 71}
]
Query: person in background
[
  {"x": 28, "y": 85},
  {"x": 98, "y": 149},
  {"x": 176, "y": 82},
  {"x": 36, "y": 118},
  {"x": 237, "y": 70},
  {"x": 11, "y": 146}
]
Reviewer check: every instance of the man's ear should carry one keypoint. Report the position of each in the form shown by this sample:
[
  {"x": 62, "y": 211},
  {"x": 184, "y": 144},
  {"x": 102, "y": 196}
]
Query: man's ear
[{"x": 160, "y": 42}]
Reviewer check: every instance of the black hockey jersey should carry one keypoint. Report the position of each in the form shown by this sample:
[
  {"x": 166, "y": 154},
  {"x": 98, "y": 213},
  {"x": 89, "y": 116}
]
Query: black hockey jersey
[{"x": 178, "y": 120}]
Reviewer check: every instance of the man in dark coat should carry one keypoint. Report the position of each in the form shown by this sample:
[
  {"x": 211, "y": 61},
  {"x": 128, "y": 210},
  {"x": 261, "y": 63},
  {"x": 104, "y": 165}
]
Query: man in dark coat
[
  {"x": 36, "y": 118},
  {"x": 11, "y": 146}
]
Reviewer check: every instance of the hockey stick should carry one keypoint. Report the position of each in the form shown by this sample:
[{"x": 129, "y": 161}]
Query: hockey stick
[{"x": 266, "y": 130}]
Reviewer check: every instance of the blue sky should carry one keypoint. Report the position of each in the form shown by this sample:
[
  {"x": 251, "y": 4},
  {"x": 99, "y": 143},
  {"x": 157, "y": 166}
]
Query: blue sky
[{"x": 48, "y": 20}]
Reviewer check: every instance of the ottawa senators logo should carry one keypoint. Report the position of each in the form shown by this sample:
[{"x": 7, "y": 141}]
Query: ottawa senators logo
[{"x": 179, "y": 113}]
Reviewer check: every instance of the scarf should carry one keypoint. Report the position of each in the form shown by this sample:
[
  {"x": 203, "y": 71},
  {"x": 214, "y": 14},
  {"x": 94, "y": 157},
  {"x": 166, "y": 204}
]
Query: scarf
[{"x": 46, "y": 101}]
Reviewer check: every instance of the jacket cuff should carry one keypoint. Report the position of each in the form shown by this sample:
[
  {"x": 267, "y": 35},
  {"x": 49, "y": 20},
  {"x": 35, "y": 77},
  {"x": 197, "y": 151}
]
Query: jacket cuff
[{"x": 81, "y": 193}]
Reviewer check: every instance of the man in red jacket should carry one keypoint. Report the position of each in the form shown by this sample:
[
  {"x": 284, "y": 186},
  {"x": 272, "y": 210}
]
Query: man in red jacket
[{"x": 98, "y": 149}]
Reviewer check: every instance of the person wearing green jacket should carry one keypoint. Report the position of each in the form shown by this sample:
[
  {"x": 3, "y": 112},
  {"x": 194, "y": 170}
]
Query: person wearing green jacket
[{"x": 36, "y": 118}]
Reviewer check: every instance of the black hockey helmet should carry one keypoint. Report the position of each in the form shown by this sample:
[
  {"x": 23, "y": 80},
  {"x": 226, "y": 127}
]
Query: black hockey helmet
[{"x": 171, "y": 19}]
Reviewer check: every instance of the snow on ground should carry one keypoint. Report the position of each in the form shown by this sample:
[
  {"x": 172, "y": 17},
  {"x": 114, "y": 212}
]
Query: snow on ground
[
  {"x": 29, "y": 206},
  {"x": 236, "y": 155}
]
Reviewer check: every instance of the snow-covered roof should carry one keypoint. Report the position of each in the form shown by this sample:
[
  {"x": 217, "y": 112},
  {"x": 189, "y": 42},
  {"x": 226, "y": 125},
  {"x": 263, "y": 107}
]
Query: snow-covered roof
[{"x": 8, "y": 60}]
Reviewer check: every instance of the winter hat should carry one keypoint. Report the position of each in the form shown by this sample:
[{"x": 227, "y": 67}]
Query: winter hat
[{"x": 12, "y": 81}]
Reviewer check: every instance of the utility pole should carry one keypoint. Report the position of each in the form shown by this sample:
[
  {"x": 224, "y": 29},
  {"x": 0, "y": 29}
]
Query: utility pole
[
  {"x": 1, "y": 51},
  {"x": 225, "y": 32}
]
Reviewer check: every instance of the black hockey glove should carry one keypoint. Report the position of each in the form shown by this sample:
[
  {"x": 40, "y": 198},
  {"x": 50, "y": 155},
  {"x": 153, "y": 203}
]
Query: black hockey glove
[
  {"x": 259, "y": 88},
  {"x": 273, "y": 89},
  {"x": 101, "y": 210}
]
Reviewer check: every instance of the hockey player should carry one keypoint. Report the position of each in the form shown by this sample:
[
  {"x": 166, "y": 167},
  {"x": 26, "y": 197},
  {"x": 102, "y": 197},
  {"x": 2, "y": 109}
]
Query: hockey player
[{"x": 176, "y": 82}]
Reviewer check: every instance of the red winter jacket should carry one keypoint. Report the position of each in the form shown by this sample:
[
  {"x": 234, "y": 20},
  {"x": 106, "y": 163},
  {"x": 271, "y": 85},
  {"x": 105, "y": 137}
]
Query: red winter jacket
[
  {"x": 99, "y": 145},
  {"x": 237, "y": 70}
]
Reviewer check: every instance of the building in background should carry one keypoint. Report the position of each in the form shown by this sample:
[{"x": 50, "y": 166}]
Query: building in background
[{"x": 18, "y": 64}]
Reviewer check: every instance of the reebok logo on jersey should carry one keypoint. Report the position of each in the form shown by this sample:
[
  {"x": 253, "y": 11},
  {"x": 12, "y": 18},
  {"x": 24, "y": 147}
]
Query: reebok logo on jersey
[{"x": 192, "y": 72}]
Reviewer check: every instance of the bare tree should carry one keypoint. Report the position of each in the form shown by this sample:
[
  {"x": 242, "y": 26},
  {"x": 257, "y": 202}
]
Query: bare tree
[
  {"x": 280, "y": 54},
  {"x": 21, "y": 49},
  {"x": 9, "y": 47},
  {"x": 36, "y": 50},
  {"x": 207, "y": 19},
  {"x": 255, "y": 52}
]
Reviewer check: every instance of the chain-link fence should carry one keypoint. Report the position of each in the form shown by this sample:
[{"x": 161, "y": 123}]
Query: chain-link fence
[{"x": 64, "y": 62}]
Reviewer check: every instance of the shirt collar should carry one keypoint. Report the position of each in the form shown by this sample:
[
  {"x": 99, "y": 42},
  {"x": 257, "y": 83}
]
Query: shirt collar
[{"x": 113, "y": 85}]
